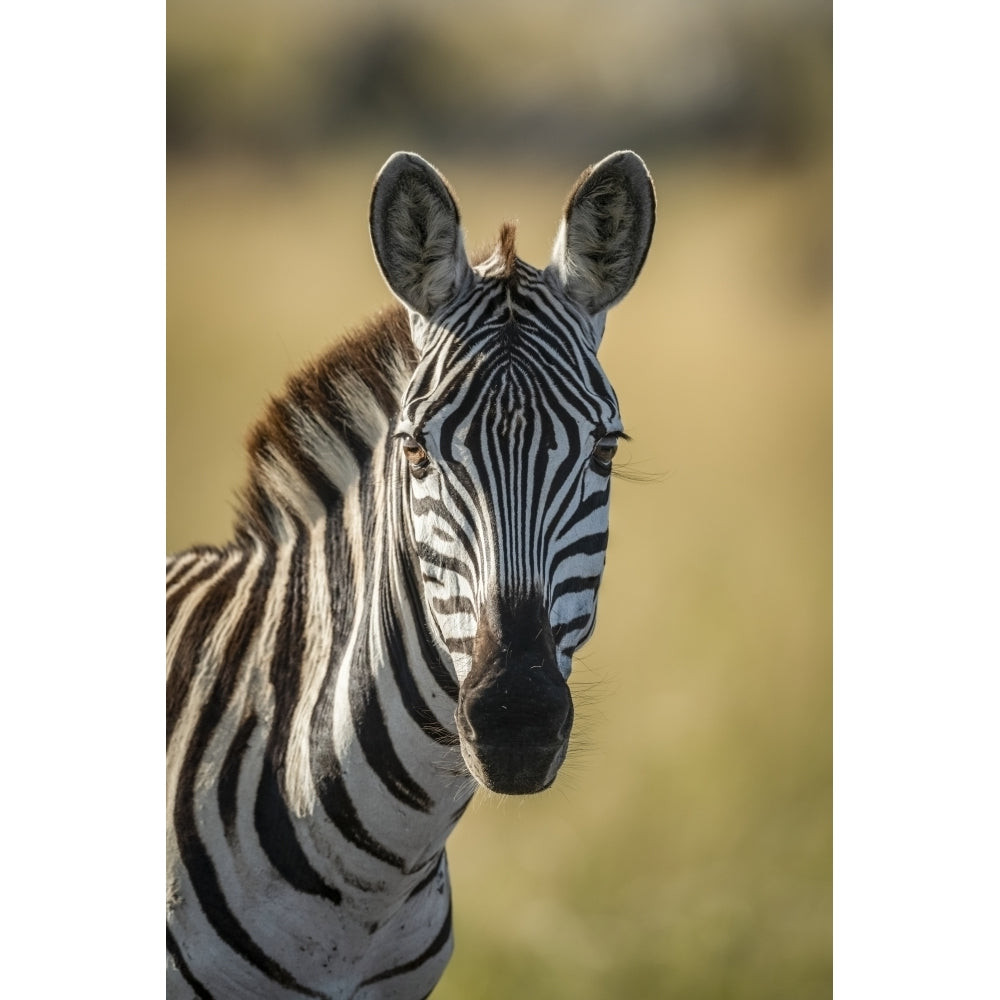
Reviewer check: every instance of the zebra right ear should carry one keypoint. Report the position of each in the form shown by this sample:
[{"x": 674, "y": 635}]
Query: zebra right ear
[
  {"x": 416, "y": 234},
  {"x": 605, "y": 232}
]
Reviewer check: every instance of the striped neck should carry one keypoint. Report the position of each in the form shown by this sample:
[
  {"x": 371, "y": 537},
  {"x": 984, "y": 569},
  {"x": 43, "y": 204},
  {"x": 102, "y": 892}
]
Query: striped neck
[{"x": 376, "y": 693}]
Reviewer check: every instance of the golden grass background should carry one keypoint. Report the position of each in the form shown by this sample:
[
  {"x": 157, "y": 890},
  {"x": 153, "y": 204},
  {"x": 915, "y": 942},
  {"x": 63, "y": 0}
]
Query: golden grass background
[{"x": 685, "y": 850}]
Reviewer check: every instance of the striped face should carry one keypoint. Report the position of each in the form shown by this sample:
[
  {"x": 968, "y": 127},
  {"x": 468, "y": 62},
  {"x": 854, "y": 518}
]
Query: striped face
[
  {"x": 504, "y": 444},
  {"x": 505, "y": 441},
  {"x": 506, "y": 437}
]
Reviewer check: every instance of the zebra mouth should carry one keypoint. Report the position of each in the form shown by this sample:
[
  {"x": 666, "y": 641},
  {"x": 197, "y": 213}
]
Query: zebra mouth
[
  {"x": 513, "y": 769},
  {"x": 514, "y": 728}
]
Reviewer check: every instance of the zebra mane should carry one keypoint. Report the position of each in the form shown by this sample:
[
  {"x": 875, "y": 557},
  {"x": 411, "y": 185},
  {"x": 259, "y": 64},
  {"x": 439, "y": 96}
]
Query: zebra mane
[
  {"x": 315, "y": 439},
  {"x": 498, "y": 260}
]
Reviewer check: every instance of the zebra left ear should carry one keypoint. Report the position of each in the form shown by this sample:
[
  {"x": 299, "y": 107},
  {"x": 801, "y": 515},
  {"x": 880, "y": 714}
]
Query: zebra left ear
[
  {"x": 416, "y": 233},
  {"x": 605, "y": 232}
]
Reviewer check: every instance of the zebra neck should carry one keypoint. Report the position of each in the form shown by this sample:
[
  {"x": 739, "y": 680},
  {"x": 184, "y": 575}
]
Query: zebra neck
[
  {"x": 409, "y": 676},
  {"x": 364, "y": 727},
  {"x": 386, "y": 779}
]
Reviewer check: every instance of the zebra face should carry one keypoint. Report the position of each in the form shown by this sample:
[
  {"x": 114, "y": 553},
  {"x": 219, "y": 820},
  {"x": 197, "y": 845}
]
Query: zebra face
[
  {"x": 505, "y": 442},
  {"x": 506, "y": 439},
  {"x": 503, "y": 448}
]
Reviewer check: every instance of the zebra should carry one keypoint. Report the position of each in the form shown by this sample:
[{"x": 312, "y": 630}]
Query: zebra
[{"x": 416, "y": 559}]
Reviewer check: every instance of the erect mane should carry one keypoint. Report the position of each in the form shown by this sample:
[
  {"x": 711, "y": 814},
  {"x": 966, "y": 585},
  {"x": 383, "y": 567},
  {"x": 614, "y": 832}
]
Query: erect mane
[
  {"x": 317, "y": 436},
  {"x": 498, "y": 259}
]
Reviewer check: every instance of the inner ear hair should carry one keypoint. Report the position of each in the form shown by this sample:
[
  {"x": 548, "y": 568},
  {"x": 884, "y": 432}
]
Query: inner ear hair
[
  {"x": 416, "y": 233},
  {"x": 606, "y": 230}
]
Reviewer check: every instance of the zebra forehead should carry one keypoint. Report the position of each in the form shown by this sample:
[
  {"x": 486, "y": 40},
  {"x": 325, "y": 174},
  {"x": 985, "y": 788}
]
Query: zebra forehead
[
  {"x": 507, "y": 396},
  {"x": 507, "y": 367}
]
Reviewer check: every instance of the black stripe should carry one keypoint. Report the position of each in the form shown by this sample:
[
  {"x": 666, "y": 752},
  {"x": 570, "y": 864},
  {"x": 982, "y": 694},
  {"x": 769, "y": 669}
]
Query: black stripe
[
  {"x": 277, "y": 838},
  {"x": 527, "y": 404},
  {"x": 564, "y": 520},
  {"x": 589, "y": 545},
  {"x": 452, "y": 605},
  {"x": 229, "y": 774},
  {"x": 460, "y": 644},
  {"x": 205, "y": 882},
  {"x": 421, "y": 507},
  {"x": 575, "y": 585},
  {"x": 409, "y": 693},
  {"x": 333, "y": 795},
  {"x": 289, "y": 649},
  {"x": 376, "y": 741},
  {"x": 179, "y": 566},
  {"x": 443, "y": 677},
  {"x": 443, "y": 935},
  {"x": 306, "y": 465},
  {"x": 427, "y": 879},
  {"x": 441, "y": 561},
  {"x": 548, "y": 441},
  {"x": 199, "y": 627},
  {"x": 235, "y": 652},
  {"x": 597, "y": 500},
  {"x": 176, "y": 599},
  {"x": 173, "y": 948},
  {"x": 564, "y": 629}
]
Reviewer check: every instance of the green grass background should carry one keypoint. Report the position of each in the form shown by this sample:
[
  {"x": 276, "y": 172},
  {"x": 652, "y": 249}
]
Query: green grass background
[{"x": 685, "y": 850}]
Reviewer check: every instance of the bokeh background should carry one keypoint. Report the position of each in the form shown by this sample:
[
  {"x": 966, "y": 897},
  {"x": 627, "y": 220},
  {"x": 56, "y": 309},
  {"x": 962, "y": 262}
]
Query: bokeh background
[{"x": 685, "y": 850}]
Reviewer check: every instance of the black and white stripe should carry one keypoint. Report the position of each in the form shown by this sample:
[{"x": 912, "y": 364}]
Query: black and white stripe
[{"x": 416, "y": 561}]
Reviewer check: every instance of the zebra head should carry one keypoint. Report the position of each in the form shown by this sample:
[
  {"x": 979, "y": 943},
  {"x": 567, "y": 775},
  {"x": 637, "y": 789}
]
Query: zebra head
[{"x": 503, "y": 446}]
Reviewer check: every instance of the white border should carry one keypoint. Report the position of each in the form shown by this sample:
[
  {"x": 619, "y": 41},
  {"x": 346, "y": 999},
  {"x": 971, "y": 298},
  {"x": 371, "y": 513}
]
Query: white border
[
  {"x": 83, "y": 319},
  {"x": 916, "y": 501}
]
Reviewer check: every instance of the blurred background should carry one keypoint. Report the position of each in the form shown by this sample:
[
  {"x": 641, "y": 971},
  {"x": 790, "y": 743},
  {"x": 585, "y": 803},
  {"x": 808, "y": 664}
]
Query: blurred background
[{"x": 685, "y": 850}]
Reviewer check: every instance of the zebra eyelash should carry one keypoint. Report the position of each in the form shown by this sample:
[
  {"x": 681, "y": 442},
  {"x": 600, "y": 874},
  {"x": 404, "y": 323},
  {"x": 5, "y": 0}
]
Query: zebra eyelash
[{"x": 619, "y": 435}]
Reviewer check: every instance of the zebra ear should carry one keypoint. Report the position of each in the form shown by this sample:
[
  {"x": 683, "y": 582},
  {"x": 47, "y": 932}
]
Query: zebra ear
[
  {"x": 416, "y": 233},
  {"x": 605, "y": 232}
]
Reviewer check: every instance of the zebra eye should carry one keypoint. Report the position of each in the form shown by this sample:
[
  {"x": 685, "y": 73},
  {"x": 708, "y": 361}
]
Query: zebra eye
[
  {"x": 604, "y": 451},
  {"x": 415, "y": 454}
]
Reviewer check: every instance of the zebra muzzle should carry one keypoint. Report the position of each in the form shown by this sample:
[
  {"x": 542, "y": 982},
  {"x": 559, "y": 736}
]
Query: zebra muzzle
[{"x": 515, "y": 712}]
